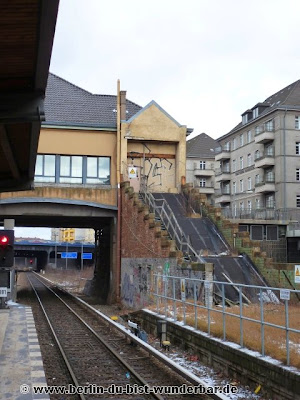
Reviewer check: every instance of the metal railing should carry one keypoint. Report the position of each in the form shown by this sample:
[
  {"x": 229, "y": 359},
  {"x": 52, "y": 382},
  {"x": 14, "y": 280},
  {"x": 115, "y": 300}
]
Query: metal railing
[
  {"x": 161, "y": 208},
  {"x": 175, "y": 294}
]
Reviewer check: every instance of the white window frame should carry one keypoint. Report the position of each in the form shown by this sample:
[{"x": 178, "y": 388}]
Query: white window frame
[
  {"x": 241, "y": 162},
  {"x": 234, "y": 144},
  {"x": 233, "y": 165},
  {"x": 249, "y": 205},
  {"x": 249, "y": 137},
  {"x": 298, "y": 200},
  {"x": 249, "y": 183},
  {"x": 234, "y": 187},
  {"x": 202, "y": 165},
  {"x": 241, "y": 140},
  {"x": 202, "y": 182},
  {"x": 249, "y": 160},
  {"x": 241, "y": 185}
]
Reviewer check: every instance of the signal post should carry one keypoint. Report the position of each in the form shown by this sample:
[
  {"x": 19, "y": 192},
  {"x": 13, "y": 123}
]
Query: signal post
[{"x": 7, "y": 271}]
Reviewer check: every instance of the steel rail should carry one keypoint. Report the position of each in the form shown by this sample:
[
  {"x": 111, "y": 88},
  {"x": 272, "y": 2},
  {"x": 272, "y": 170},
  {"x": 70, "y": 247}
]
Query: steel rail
[
  {"x": 71, "y": 372},
  {"x": 112, "y": 351},
  {"x": 184, "y": 373}
]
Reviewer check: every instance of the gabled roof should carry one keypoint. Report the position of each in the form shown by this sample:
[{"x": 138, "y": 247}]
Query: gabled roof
[
  {"x": 153, "y": 102},
  {"x": 286, "y": 98},
  {"x": 68, "y": 105},
  {"x": 201, "y": 146}
]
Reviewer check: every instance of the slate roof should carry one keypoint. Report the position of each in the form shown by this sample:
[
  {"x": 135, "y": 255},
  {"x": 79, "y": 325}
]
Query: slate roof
[
  {"x": 288, "y": 97},
  {"x": 68, "y": 105},
  {"x": 201, "y": 146}
]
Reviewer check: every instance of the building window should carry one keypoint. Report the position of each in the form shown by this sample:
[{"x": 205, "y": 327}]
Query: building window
[
  {"x": 244, "y": 119},
  {"x": 248, "y": 136},
  {"x": 257, "y": 155},
  {"x": 202, "y": 164},
  {"x": 98, "y": 170},
  {"x": 241, "y": 140},
  {"x": 249, "y": 160},
  {"x": 234, "y": 144},
  {"x": 45, "y": 168},
  {"x": 249, "y": 205},
  {"x": 298, "y": 148},
  {"x": 249, "y": 183},
  {"x": 255, "y": 112},
  {"x": 233, "y": 165},
  {"x": 297, "y": 122},
  {"x": 241, "y": 206},
  {"x": 257, "y": 179},
  {"x": 297, "y": 174},
  {"x": 270, "y": 201},
  {"x": 298, "y": 200},
  {"x": 241, "y": 162},
  {"x": 227, "y": 146},
  {"x": 269, "y": 126},
  {"x": 241, "y": 185},
  {"x": 257, "y": 203},
  {"x": 70, "y": 169},
  {"x": 258, "y": 130},
  {"x": 202, "y": 182},
  {"x": 234, "y": 187}
]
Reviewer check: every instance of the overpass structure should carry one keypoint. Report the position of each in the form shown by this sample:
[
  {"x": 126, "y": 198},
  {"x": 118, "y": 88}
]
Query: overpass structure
[{"x": 63, "y": 255}]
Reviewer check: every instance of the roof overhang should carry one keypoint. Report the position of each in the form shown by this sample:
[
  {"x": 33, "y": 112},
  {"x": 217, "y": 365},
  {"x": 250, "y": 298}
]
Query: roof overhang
[{"x": 26, "y": 38}]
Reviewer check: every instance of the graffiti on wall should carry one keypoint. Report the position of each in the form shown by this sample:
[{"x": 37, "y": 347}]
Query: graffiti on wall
[{"x": 153, "y": 172}]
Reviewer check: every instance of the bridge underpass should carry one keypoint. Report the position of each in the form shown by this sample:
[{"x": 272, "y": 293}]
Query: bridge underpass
[{"x": 56, "y": 213}]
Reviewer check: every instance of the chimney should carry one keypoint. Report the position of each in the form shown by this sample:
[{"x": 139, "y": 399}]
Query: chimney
[{"x": 123, "y": 105}]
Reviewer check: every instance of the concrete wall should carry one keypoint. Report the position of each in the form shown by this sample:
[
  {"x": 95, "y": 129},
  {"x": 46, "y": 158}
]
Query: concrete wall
[
  {"x": 277, "y": 383},
  {"x": 137, "y": 277}
]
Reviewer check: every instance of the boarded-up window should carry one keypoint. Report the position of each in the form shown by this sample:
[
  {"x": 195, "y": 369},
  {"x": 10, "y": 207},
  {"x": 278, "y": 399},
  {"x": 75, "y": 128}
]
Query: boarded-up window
[
  {"x": 272, "y": 232},
  {"x": 243, "y": 228},
  {"x": 257, "y": 232}
]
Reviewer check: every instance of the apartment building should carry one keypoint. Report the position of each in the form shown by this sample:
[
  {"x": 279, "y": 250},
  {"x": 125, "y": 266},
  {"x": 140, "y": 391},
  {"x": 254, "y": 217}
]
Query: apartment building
[
  {"x": 200, "y": 164},
  {"x": 259, "y": 160}
]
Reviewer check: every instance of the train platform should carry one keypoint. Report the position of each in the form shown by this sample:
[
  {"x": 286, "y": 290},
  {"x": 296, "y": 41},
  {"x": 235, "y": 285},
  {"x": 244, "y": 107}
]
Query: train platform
[{"x": 21, "y": 364}]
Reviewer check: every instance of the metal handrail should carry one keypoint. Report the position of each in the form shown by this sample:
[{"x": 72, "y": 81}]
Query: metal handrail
[{"x": 170, "y": 222}]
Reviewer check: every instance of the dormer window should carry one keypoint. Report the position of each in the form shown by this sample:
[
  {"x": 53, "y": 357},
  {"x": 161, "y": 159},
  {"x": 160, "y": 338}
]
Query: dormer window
[
  {"x": 246, "y": 116},
  {"x": 255, "y": 112}
]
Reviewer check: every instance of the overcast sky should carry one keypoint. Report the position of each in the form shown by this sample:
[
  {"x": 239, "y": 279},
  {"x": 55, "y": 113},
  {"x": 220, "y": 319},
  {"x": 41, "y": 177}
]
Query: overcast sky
[{"x": 204, "y": 61}]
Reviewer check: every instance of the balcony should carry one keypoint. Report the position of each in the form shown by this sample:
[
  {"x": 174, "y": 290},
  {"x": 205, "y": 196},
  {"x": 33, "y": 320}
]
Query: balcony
[
  {"x": 222, "y": 195},
  {"x": 222, "y": 154},
  {"x": 266, "y": 186},
  {"x": 203, "y": 172},
  {"x": 205, "y": 189},
  {"x": 222, "y": 174},
  {"x": 265, "y": 132},
  {"x": 266, "y": 160}
]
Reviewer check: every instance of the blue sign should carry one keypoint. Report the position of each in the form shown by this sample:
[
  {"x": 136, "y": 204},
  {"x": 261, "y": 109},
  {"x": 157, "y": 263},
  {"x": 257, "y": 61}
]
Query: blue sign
[
  {"x": 72, "y": 254},
  {"x": 87, "y": 256}
]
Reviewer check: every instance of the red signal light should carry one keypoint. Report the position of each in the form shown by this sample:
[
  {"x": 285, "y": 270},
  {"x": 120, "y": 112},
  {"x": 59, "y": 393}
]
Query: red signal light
[{"x": 4, "y": 240}]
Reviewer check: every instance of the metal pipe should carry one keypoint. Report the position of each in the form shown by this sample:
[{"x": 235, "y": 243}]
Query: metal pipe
[
  {"x": 284, "y": 161},
  {"x": 118, "y": 272}
]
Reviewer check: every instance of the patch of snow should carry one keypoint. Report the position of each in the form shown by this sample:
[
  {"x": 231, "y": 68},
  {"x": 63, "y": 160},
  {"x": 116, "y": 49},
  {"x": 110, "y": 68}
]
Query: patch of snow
[{"x": 11, "y": 303}]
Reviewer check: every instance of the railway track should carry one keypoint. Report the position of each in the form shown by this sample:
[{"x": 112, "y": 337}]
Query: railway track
[{"x": 100, "y": 353}]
